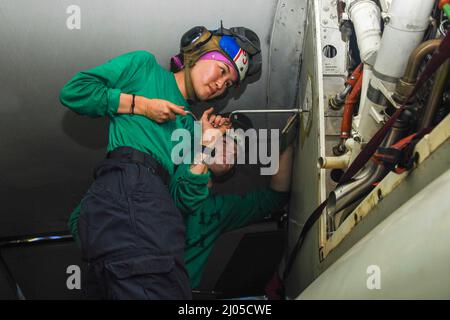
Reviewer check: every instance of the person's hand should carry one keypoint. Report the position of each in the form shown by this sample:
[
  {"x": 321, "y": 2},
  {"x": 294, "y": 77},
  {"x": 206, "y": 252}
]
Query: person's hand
[
  {"x": 212, "y": 121},
  {"x": 219, "y": 121},
  {"x": 213, "y": 126},
  {"x": 158, "y": 110}
]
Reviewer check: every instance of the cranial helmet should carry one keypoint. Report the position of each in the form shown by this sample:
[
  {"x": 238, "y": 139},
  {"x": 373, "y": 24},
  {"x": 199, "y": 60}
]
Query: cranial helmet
[{"x": 240, "y": 45}]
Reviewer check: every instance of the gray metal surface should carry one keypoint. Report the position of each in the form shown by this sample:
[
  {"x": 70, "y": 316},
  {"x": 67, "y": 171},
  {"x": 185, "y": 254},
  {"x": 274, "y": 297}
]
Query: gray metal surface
[
  {"x": 334, "y": 76},
  {"x": 432, "y": 167},
  {"x": 409, "y": 249},
  {"x": 285, "y": 57},
  {"x": 331, "y": 36},
  {"x": 48, "y": 152},
  {"x": 307, "y": 188}
]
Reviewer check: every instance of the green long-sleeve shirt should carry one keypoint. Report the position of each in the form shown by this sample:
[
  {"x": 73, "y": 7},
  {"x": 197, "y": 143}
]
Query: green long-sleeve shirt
[
  {"x": 96, "y": 93},
  {"x": 208, "y": 216}
]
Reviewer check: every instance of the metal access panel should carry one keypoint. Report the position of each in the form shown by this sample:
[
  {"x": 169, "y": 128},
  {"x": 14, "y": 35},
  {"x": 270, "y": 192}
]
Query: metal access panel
[{"x": 308, "y": 188}]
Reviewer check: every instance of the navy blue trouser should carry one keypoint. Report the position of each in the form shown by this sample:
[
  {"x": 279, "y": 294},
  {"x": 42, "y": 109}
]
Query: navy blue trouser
[{"x": 132, "y": 235}]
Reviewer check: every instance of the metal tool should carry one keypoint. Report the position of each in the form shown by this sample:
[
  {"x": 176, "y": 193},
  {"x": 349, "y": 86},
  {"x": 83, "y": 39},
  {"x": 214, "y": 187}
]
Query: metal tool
[
  {"x": 234, "y": 113},
  {"x": 193, "y": 115},
  {"x": 296, "y": 110}
]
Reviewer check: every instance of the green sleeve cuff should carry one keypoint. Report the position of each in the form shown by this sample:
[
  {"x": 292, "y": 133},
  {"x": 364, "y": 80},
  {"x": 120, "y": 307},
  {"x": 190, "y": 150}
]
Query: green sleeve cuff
[
  {"x": 113, "y": 101},
  {"x": 202, "y": 178}
]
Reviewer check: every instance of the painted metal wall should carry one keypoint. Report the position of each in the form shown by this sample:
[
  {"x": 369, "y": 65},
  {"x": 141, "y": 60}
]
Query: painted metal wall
[
  {"x": 48, "y": 152},
  {"x": 405, "y": 257},
  {"x": 308, "y": 184}
]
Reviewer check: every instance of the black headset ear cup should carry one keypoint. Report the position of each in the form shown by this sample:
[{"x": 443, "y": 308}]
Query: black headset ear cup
[
  {"x": 191, "y": 37},
  {"x": 249, "y": 41},
  {"x": 255, "y": 65}
]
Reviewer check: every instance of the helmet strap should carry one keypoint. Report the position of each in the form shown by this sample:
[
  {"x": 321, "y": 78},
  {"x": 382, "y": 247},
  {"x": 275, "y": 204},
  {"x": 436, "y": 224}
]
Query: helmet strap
[{"x": 190, "y": 92}]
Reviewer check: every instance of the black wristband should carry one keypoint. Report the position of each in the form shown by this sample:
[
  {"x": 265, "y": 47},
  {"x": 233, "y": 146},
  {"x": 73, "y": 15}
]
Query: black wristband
[{"x": 132, "y": 105}]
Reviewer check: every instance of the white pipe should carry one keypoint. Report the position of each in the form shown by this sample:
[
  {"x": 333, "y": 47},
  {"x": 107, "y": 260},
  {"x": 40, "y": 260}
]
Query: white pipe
[
  {"x": 366, "y": 17},
  {"x": 385, "y": 5},
  {"x": 367, "y": 76},
  {"x": 405, "y": 26},
  {"x": 403, "y": 32},
  {"x": 340, "y": 162}
]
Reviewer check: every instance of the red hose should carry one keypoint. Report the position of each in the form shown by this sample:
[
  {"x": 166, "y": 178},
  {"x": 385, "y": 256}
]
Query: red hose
[
  {"x": 442, "y": 3},
  {"x": 351, "y": 100}
]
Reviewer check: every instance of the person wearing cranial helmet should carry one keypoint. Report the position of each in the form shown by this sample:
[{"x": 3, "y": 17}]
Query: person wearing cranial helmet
[
  {"x": 135, "y": 247},
  {"x": 238, "y": 48}
]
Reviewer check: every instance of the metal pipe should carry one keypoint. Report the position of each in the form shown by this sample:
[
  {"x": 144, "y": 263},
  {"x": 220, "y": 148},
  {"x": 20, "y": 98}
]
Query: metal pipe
[
  {"x": 351, "y": 192},
  {"x": 34, "y": 240},
  {"x": 416, "y": 59},
  {"x": 435, "y": 98},
  {"x": 361, "y": 185},
  {"x": 297, "y": 110},
  {"x": 233, "y": 115},
  {"x": 406, "y": 84},
  {"x": 337, "y": 102},
  {"x": 405, "y": 26},
  {"x": 339, "y": 99},
  {"x": 268, "y": 111}
]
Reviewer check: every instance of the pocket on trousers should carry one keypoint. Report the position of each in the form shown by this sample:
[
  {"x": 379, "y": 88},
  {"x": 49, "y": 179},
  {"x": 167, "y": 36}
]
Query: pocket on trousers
[
  {"x": 143, "y": 277},
  {"x": 159, "y": 224},
  {"x": 108, "y": 228},
  {"x": 138, "y": 266}
]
